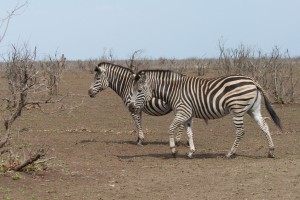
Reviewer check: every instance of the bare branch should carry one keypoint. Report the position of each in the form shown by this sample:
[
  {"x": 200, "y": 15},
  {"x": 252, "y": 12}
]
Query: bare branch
[
  {"x": 132, "y": 61},
  {"x": 4, "y": 140},
  {"x": 39, "y": 154},
  {"x": 5, "y": 21}
]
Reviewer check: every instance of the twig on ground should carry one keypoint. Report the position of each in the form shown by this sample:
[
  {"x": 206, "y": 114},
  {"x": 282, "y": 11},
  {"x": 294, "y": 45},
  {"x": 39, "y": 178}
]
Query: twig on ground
[{"x": 39, "y": 154}]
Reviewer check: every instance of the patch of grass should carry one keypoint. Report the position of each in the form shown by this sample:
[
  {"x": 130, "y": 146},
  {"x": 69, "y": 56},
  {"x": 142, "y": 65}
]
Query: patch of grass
[
  {"x": 17, "y": 176},
  {"x": 5, "y": 192},
  {"x": 33, "y": 197},
  {"x": 3, "y": 168}
]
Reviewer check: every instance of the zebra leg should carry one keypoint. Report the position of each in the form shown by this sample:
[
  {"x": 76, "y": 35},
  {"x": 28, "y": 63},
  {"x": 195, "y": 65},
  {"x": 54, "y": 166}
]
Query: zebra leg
[
  {"x": 180, "y": 119},
  {"x": 173, "y": 127},
  {"x": 188, "y": 126},
  {"x": 137, "y": 119},
  {"x": 256, "y": 115},
  {"x": 179, "y": 134},
  {"x": 175, "y": 124},
  {"x": 264, "y": 127},
  {"x": 239, "y": 125}
]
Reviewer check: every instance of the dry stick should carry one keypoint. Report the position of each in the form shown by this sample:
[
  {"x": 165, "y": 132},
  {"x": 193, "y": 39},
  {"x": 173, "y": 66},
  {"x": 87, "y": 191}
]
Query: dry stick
[
  {"x": 4, "y": 140},
  {"x": 31, "y": 160}
]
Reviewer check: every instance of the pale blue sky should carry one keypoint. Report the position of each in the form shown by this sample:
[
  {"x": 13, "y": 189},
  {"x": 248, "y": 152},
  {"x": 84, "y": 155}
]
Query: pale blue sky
[{"x": 82, "y": 29}]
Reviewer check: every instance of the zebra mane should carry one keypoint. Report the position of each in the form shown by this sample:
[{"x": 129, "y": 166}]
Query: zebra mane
[
  {"x": 159, "y": 71},
  {"x": 109, "y": 64}
]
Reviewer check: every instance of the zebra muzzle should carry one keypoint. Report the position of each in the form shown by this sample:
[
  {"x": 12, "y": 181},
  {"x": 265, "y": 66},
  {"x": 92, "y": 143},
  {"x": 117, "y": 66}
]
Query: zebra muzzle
[
  {"x": 132, "y": 108},
  {"x": 91, "y": 92}
]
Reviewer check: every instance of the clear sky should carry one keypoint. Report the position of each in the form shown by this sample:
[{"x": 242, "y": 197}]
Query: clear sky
[{"x": 82, "y": 29}]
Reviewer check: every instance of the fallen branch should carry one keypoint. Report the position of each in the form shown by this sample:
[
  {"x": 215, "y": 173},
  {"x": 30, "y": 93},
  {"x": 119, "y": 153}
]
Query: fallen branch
[
  {"x": 44, "y": 160},
  {"x": 39, "y": 154}
]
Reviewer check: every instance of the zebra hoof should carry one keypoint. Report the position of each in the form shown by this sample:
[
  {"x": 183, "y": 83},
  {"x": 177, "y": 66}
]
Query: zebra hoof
[
  {"x": 271, "y": 153},
  {"x": 139, "y": 142},
  {"x": 230, "y": 155},
  {"x": 190, "y": 155},
  {"x": 174, "y": 152}
]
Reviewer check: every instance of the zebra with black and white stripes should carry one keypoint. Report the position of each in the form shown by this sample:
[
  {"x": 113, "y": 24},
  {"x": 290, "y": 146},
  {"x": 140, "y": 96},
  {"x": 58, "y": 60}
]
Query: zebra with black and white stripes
[
  {"x": 204, "y": 98},
  {"x": 119, "y": 79}
]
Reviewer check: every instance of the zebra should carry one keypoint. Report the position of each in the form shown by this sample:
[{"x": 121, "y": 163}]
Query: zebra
[
  {"x": 119, "y": 79},
  {"x": 204, "y": 98}
]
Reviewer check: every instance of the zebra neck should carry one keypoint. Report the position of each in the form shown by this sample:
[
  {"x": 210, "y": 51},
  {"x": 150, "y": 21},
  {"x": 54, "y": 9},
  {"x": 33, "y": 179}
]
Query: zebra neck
[
  {"x": 166, "y": 87},
  {"x": 119, "y": 81}
]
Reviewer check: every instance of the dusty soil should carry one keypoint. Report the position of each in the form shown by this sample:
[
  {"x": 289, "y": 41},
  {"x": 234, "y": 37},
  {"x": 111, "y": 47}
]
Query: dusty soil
[{"x": 92, "y": 155}]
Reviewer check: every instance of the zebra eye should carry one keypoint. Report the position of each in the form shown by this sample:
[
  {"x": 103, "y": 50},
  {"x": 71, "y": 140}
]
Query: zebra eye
[{"x": 139, "y": 90}]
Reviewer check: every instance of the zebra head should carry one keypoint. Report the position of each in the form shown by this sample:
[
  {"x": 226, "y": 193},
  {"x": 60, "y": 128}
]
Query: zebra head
[
  {"x": 141, "y": 92},
  {"x": 100, "y": 81}
]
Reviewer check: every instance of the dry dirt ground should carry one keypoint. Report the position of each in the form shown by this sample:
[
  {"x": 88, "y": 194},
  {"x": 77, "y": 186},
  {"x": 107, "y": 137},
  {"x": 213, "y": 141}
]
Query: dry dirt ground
[{"x": 92, "y": 155}]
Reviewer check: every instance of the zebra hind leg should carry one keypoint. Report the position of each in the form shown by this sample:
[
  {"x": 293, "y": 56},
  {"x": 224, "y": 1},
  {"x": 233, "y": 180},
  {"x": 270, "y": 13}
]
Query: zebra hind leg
[
  {"x": 189, "y": 132},
  {"x": 239, "y": 125},
  {"x": 256, "y": 115},
  {"x": 264, "y": 127},
  {"x": 178, "y": 135}
]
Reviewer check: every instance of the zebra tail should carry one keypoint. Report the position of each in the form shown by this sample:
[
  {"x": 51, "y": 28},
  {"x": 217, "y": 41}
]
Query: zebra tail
[
  {"x": 273, "y": 113},
  {"x": 269, "y": 107}
]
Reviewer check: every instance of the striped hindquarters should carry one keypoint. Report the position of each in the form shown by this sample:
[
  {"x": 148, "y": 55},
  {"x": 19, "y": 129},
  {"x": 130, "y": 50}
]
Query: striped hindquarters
[{"x": 215, "y": 98}]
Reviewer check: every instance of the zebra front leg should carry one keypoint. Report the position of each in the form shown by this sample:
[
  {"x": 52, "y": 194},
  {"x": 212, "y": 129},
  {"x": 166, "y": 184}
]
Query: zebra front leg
[
  {"x": 189, "y": 132},
  {"x": 137, "y": 117},
  {"x": 177, "y": 122},
  {"x": 239, "y": 124}
]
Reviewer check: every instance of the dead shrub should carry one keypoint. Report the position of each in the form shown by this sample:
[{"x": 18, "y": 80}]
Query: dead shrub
[{"x": 274, "y": 72}]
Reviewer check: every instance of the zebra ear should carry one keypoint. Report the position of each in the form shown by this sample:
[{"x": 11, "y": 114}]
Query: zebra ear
[
  {"x": 136, "y": 77},
  {"x": 142, "y": 76},
  {"x": 97, "y": 69},
  {"x": 133, "y": 76}
]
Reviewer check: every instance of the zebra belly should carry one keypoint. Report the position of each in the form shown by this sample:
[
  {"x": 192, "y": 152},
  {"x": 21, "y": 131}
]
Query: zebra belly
[
  {"x": 202, "y": 108},
  {"x": 209, "y": 114}
]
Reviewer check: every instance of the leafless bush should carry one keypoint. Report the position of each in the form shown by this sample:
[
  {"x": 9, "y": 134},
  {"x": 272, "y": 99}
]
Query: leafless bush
[
  {"x": 81, "y": 65},
  {"x": 107, "y": 55},
  {"x": 21, "y": 74},
  {"x": 52, "y": 70},
  {"x": 275, "y": 72},
  {"x": 136, "y": 62},
  {"x": 26, "y": 88}
]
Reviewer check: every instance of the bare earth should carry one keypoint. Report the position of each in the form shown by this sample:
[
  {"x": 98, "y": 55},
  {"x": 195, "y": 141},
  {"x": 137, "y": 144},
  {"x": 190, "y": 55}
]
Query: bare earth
[{"x": 92, "y": 155}]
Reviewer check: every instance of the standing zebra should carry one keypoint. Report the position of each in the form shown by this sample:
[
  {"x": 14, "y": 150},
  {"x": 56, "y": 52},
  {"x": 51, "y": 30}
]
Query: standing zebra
[
  {"x": 120, "y": 80},
  {"x": 204, "y": 98}
]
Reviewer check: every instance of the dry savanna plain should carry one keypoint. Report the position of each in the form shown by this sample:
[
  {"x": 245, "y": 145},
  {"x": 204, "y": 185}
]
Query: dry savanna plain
[{"x": 91, "y": 154}]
